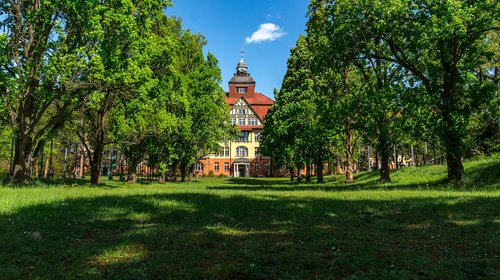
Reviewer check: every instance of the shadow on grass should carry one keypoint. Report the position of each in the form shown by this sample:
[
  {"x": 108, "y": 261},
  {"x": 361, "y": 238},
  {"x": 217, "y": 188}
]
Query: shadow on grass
[
  {"x": 479, "y": 177},
  {"x": 196, "y": 235},
  {"x": 483, "y": 174},
  {"x": 59, "y": 182},
  {"x": 268, "y": 181}
]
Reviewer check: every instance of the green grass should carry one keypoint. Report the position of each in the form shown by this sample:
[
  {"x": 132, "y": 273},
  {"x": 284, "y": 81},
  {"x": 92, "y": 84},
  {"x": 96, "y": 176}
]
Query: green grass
[{"x": 417, "y": 227}]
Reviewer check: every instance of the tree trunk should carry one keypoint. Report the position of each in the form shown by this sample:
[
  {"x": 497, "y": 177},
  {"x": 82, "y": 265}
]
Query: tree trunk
[
  {"x": 426, "y": 157},
  {"x": 46, "y": 169},
  {"x": 41, "y": 166},
  {"x": 132, "y": 169},
  {"x": 183, "y": 170},
  {"x": 349, "y": 148},
  {"x": 396, "y": 166},
  {"x": 96, "y": 158},
  {"x": 384, "y": 168},
  {"x": 455, "y": 131},
  {"x": 95, "y": 163},
  {"x": 22, "y": 156},
  {"x": 81, "y": 170},
  {"x": 319, "y": 171},
  {"x": 132, "y": 162},
  {"x": 95, "y": 174},
  {"x": 173, "y": 172},
  {"x": 291, "y": 174},
  {"x": 455, "y": 168},
  {"x": 308, "y": 172}
]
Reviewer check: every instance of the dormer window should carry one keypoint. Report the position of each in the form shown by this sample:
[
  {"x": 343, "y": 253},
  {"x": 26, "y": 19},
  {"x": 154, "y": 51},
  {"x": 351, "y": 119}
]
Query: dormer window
[{"x": 241, "y": 89}]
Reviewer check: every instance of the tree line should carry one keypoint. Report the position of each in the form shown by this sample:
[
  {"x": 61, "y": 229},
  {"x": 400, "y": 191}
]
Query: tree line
[
  {"x": 107, "y": 72},
  {"x": 380, "y": 73}
]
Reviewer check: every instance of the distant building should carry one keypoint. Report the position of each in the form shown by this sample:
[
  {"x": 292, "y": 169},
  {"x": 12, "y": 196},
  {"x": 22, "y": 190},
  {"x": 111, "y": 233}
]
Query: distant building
[{"x": 241, "y": 157}]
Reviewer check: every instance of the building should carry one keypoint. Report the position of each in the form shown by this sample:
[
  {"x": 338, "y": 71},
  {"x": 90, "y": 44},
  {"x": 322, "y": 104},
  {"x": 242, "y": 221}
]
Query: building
[{"x": 248, "y": 108}]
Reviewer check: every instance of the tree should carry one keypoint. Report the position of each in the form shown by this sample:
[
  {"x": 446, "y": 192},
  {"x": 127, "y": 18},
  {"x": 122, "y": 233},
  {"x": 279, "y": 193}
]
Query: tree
[
  {"x": 294, "y": 133},
  {"x": 123, "y": 74},
  {"x": 207, "y": 123},
  {"x": 440, "y": 43},
  {"x": 48, "y": 53}
]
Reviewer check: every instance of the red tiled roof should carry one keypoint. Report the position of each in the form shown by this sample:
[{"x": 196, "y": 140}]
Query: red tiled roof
[
  {"x": 261, "y": 111},
  {"x": 250, "y": 127},
  {"x": 259, "y": 103},
  {"x": 258, "y": 99}
]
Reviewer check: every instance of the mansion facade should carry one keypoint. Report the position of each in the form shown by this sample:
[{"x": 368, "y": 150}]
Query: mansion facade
[{"x": 241, "y": 157}]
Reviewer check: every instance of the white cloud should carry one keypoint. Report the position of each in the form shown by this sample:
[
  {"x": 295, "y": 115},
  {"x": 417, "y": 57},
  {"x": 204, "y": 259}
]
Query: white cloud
[{"x": 266, "y": 32}]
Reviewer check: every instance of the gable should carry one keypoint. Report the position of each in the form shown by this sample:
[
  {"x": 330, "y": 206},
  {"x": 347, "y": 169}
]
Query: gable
[{"x": 243, "y": 109}]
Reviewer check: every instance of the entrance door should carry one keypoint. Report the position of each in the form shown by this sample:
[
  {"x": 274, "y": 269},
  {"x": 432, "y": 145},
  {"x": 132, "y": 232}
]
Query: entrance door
[{"x": 241, "y": 170}]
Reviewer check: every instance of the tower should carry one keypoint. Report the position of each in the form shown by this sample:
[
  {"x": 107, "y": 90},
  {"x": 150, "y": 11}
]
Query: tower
[{"x": 241, "y": 84}]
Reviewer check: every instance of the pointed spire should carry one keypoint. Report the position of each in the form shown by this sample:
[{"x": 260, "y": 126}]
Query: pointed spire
[{"x": 242, "y": 67}]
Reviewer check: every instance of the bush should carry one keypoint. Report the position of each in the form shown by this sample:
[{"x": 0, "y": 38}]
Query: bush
[{"x": 211, "y": 174}]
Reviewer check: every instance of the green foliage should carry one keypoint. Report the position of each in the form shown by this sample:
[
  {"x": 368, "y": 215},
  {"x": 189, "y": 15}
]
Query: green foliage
[
  {"x": 295, "y": 132},
  {"x": 438, "y": 45}
]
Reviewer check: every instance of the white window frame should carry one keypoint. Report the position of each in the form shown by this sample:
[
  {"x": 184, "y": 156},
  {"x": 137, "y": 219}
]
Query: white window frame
[
  {"x": 241, "y": 151},
  {"x": 257, "y": 136},
  {"x": 216, "y": 166},
  {"x": 198, "y": 166}
]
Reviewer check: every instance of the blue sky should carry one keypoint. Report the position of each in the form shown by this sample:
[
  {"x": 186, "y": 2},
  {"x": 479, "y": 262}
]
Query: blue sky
[{"x": 228, "y": 27}]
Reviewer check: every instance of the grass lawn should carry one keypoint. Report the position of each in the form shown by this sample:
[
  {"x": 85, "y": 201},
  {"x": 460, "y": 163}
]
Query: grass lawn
[{"x": 417, "y": 227}]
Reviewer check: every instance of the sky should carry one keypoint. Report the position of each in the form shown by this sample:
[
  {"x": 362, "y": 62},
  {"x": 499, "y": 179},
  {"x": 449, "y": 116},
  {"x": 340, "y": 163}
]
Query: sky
[{"x": 265, "y": 30}]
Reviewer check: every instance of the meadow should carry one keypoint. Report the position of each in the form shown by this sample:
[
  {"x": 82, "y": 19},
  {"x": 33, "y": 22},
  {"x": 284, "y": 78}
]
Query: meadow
[{"x": 417, "y": 227}]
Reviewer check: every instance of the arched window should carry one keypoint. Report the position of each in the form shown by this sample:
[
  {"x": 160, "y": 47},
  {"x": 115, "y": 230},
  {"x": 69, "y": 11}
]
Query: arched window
[
  {"x": 241, "y": 151},
  {"x": 198, "y": 166}
]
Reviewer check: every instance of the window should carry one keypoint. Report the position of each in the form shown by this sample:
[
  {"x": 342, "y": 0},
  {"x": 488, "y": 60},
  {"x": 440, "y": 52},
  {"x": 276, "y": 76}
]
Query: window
[
  {"x": 241, "y": 89},
  {"x": 242, "y": 121},
  {"x": 224, "y": 152},
  {"x": 216, "y": 166},
  {"x": 266, "y": 166},
  {"x": 284, "y": 168},
  {"x": 226, "y": 166},
  {"x": 252, "y": 121},
  {"x": 257, "y": 152},
  {"x": 233, "y": 120},
  {"x": 257, "y": 136},
  {"x": 198, "y": 166},
  {"x": 243, "y": 137},
  {"x": 256, "y": 167},
  {"x": 242, "y": 111},
  {"x": 241, "y": 151}
]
